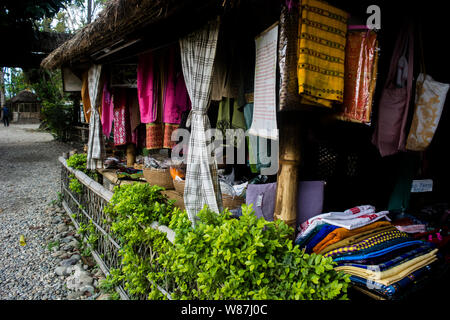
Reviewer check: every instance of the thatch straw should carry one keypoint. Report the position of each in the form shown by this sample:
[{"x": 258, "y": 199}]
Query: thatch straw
[{"x": 118, "y": 19}]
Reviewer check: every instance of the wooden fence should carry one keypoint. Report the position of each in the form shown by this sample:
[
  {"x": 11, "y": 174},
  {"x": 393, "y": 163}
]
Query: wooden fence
[{"x": 87, "y": 207}]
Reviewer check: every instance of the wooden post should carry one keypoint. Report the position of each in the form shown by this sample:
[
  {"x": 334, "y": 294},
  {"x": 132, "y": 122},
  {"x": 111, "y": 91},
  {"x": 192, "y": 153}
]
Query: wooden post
[
  {"x": 131, "y": 155},
  {"x": 288, "y": 173}
]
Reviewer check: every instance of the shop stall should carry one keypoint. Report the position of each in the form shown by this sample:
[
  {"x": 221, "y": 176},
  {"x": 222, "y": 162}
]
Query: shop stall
[{"x": 302, "y": 109}]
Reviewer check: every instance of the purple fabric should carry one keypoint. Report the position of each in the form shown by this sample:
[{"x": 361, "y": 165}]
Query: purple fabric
[
  {"x": 309, "y": 200},
  {"x": 146, "y": 95},
  {"x": 107, "y": 110},
  {"x": 267, "y": 193}
]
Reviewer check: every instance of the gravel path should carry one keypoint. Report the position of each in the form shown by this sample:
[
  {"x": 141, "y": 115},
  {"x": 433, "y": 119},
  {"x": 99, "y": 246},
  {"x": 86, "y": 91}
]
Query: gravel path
[{"x": 29, "y": 181}]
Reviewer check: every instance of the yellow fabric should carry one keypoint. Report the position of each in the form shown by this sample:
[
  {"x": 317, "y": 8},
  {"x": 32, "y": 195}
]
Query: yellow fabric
[
  {"x": 85, "y": 97},
  {"x": 389, "y": 273},
  {"x": 321, "y": 52},
  {"x": 341, "y": 233}
]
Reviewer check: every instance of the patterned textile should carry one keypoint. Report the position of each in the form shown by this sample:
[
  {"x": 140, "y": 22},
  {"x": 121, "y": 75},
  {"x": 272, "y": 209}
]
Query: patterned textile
[
  {"x": 357, "y": 238},
  {"x": 169, "y": 128},
  {"x": 321, "y": 52},
  {"x": 343, "y": 233},
  {"x": 96, "y": 148},
  {"x": 319, "y": 236},
  {"x": 379, "y": 250},
  {"x": 287, "y": 59},
  {"x": 396, "y": 287},
  {"x": 369, "y": 242},
  {"x": 380, "y": 260},
  {"x": 411, "y": 268},
  {"x": 349, "y": 219},
  {"x": 361, "y": 59},
  {"x": 154, "y": 136},
  {"x": 122, "y": 130},
  {"x": 373, "y": 273},
  {"x": 430, "y": 98},
  {"x": 202, "y": 187}
]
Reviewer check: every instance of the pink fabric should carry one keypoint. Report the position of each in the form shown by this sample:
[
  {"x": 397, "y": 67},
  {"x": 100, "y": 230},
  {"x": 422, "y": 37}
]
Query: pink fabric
[
  {"x": 107, "y": 110},
  {"x": 146, "y": 94},
  {"x": 122, "y": 132},
  {"x": 176, "y": 97}
]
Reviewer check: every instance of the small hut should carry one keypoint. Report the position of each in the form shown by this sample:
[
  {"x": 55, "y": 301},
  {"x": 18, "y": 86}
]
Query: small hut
[{"x": 25, "y": 107}]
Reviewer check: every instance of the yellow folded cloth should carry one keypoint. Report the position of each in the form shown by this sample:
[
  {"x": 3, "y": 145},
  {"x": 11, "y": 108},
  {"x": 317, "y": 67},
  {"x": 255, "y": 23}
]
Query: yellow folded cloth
[{"x": 392, "y": 275}]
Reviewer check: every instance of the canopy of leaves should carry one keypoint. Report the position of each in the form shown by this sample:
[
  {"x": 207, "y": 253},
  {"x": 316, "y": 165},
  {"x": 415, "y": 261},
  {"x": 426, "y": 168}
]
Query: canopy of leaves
[{"x": 13, "y": 12}]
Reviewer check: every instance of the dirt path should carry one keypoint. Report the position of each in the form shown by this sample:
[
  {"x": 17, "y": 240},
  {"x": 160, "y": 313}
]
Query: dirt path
[{"x": 29, "y": 181}]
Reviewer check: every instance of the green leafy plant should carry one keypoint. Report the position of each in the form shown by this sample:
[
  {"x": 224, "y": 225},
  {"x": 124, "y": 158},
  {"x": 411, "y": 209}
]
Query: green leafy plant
[
  {"x": 78, "y": 161},
  {"x": 221, "y": 258},
  {"x": 52, "y": 244},
  {"x": 75, "y": 186},
  {"x": 247, "y": 258}
]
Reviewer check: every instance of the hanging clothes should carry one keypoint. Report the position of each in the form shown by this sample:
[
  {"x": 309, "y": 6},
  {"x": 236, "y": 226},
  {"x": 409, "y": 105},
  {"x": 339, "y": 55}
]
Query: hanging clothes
[
  {"x": 107, "y": 114},
  {"x": 85, "y": 97},
  {"x": 389, "y": 135},
  {"x": 170, "y": 99},
  {"x": 198, "y": 50},
  {"x": 122, "y": 127},
  {"x": 176, "y": 98},
  {"x": 225, "y": 76},
  {"x": 321, "y": 53},
  {"x": 361, "y": 61},
  {"x": 145, "y": 87}
]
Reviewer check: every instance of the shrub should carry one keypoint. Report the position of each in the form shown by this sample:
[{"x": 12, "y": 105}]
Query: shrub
[{"x": 222, "y": 258}]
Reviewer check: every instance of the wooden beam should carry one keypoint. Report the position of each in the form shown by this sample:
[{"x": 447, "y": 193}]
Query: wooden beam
[{"x": 288, "y": 173}]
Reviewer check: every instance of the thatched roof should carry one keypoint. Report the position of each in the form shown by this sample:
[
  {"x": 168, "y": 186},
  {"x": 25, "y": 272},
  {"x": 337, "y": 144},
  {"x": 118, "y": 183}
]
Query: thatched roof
[
  {"x": 24, "y": 96},
  {"x": 117, "y": 21}
]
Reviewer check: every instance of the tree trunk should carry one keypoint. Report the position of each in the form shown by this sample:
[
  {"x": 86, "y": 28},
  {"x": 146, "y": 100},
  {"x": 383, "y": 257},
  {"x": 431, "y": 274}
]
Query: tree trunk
[
  {"x": 89, "y": 11},
  {"x": 2, "y": 88}
]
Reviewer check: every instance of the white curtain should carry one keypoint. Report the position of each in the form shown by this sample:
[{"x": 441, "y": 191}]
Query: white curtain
[
  {"x": 198, "y": 51},
  {"x": 95, "y": 152}
]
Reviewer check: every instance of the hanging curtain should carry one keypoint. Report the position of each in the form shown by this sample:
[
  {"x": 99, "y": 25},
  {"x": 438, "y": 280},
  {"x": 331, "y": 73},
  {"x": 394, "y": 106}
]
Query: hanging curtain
[
  {"x": 95, "y": 152},
  {"x": 198, "y": 51}
]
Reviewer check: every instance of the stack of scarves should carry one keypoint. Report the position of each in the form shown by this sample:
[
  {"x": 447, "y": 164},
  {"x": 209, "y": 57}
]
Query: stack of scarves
[
  {"x": 375, "y": 254},
  {"x": 322, "y": 34}
]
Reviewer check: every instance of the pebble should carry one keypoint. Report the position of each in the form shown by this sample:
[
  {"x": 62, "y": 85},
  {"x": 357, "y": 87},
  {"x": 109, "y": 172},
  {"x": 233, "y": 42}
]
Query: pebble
[{"x": 30, "y": 167}]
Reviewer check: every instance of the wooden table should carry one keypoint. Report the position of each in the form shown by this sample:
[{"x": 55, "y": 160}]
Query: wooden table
[{"x": 110, "y": 180}]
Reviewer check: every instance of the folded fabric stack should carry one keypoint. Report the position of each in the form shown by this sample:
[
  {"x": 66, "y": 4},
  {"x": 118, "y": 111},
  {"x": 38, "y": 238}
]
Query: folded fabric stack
[{"x": 373, "y": 251}]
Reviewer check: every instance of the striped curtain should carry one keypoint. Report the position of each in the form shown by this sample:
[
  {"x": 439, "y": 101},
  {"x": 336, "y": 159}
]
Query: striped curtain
[
  {"x": 95, "y": 152},
  {"x": 198, "y": 51}
]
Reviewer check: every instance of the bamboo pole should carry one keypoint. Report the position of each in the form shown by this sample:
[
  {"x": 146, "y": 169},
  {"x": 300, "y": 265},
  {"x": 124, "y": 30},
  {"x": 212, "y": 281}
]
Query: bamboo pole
[
  {"x": 288, "y": 173},
  {"x": 131, "y": 155}
]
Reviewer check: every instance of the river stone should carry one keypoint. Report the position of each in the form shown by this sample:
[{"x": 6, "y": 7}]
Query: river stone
[
  {"x": 69, "y": 262},
  {"x": 62, "y": 271}
]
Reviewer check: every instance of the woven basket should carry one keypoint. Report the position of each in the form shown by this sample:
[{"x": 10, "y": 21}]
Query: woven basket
[
  {"x": 231, "y": 202},
  {"x": 159, "y": 177},
  {"x": 179, "y": 186}
]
